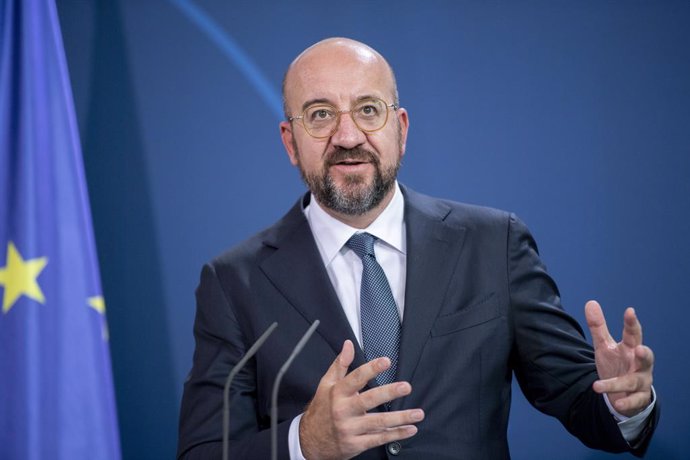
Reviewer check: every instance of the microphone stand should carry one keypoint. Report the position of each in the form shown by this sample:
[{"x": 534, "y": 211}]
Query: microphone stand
[
  {"x": 226, "y": 391},
  {"x": 274, "y": 397}
]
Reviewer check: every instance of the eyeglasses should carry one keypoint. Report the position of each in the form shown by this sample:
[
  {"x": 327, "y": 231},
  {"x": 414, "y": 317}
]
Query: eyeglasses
[{"x": 322, "y": 120}]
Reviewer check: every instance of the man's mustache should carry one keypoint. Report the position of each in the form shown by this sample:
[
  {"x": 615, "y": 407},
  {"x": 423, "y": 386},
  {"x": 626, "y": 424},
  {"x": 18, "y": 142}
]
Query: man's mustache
[{"x": 357, "y": 154}]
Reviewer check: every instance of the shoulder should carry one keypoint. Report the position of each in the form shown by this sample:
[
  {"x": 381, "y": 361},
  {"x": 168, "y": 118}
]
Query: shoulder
[
  {"x": 263, "y": 243},
  {"x": 454, "y": 212}
]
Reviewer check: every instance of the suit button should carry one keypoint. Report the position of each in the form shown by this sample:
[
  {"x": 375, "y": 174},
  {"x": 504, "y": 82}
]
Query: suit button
[{"x": 394, "y": 448}]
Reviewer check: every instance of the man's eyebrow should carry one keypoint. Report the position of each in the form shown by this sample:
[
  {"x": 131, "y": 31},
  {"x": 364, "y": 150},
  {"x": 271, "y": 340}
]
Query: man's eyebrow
[
  {"x": 311, "y": 102},
  {"x": 366, "y": 97}
]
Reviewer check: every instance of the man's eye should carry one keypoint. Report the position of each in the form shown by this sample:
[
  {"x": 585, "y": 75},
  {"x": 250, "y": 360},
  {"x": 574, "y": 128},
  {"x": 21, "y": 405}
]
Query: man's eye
[
  {"x": 369, "y": 110},
  {"x": 321, "y": 115}
]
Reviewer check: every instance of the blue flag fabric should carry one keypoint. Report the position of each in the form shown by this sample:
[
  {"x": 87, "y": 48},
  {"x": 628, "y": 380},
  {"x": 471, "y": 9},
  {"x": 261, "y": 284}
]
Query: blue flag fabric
[{"x": 56, "y": 388}]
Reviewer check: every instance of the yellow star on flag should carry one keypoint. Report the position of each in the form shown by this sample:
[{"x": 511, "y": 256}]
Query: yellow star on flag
[
  {"x": 19, "y": 278},
  {"x": 97, "y": 303}
]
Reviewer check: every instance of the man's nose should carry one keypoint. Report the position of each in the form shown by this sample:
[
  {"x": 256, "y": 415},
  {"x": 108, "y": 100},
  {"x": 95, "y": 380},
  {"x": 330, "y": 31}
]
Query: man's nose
[{"x": 347, "y": 135}]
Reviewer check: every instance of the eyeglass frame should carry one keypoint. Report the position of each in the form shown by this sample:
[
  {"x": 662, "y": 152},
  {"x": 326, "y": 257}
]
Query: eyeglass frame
[{"x": 393, "y": 106}]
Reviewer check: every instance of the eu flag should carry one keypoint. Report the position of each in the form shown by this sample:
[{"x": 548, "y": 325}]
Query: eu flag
[{"x": 56, "y": 389}]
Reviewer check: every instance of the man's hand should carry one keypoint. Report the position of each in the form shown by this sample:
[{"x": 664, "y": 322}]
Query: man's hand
[
  {"x": 336, "y": 424},
  {"x": 625, "y": 368}
]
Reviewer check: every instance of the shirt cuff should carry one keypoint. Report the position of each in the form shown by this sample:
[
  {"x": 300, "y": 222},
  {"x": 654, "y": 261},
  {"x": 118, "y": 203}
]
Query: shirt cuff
[
  {"x": 631, "y": 427},
  {"x": 293, "y": 439}
]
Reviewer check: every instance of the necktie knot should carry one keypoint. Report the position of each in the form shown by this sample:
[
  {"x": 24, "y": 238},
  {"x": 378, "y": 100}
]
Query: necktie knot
[{"x": 362, "y": 244}]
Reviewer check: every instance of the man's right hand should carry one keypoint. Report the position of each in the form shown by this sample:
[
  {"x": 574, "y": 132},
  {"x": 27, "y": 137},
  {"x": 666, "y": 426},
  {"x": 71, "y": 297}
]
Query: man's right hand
[{"x": 337, "y": 425}]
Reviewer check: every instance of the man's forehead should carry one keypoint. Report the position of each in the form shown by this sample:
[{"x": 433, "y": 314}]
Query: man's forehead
[
  {"x": 338, "y": 72},
  {"x": 337, "y": 91},
  {"x": 337, "y": 63},
  {"x": 340, "y": 48}
]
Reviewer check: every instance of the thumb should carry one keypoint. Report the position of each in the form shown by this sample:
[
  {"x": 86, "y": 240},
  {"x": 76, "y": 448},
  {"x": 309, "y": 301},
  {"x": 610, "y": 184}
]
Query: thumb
[{"x": 338, "y": 369}]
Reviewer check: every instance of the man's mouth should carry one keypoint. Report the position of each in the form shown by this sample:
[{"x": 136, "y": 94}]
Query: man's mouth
[{"x": 349, "y": 162}]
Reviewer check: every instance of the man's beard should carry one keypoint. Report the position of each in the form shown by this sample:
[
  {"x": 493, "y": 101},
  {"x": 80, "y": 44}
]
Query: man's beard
[{"x": 355, "y": 197}]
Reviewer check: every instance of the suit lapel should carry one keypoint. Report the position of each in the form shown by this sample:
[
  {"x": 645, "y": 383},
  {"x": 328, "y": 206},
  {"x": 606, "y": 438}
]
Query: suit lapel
[
  {"x": 433, "y": 249},
  {"x": 297, "y": 272}
]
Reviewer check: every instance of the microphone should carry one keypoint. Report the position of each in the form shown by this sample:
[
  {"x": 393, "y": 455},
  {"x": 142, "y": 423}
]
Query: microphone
[
  {"x": 274, "y": 397},
  {"x": 226, "y": 391}
]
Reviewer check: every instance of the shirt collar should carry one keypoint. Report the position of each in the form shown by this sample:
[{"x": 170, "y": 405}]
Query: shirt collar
[{"x": 331, "y": 234}]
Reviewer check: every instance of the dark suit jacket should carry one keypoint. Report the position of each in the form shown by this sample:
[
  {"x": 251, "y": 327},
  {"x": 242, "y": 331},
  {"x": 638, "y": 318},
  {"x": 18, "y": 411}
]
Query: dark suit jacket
[{"x": 479, "y": 308}]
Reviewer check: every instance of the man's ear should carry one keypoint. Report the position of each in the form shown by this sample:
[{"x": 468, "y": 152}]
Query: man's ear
[
  {"x": 286, "y": 136},
  {"x": 404, "y": 121}
]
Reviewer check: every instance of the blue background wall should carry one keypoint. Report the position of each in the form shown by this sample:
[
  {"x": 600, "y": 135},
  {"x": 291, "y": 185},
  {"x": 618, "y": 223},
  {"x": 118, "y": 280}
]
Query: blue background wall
[{"x": 575, "y": 115}]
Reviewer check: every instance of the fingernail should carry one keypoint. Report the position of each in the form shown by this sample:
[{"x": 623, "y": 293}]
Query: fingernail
[
  {"x": 382, "y": 364},
  {"x": 417, "y": 415},
  {"x": 402, "y": 388}
]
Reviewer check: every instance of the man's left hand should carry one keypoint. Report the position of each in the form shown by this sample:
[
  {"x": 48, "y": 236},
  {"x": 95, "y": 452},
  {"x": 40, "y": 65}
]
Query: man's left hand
[{"x": 625, "y": 367}]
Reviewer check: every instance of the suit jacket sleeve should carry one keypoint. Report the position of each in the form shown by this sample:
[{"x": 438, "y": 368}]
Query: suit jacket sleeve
[
  {"x": 553, "y": 362},
  {"x": 220, "y": 344}
]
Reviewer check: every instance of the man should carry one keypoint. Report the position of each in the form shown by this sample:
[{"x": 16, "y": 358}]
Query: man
[{"x": 427, "y": 307}]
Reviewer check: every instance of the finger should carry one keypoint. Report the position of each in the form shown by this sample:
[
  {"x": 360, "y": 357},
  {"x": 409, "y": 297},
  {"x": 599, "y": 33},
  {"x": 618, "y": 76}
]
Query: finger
[
  {"x": 370, "y": 441},
  {"x": 644, "y": 358},
  {"x": 357, "y": 379},
  {"x": 383, "y": 394},
  {"x": 632, "y": 329},
  {"x": 633, "y": 403},
  {"x": 338, "y": 368},
  {"x": 597, "y": 325},
  {"x": 383, "y": 421},
  {"x": 630, "y": 383}
]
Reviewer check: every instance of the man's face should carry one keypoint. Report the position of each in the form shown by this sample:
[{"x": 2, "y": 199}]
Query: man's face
[{"x": 350, "y": 172}]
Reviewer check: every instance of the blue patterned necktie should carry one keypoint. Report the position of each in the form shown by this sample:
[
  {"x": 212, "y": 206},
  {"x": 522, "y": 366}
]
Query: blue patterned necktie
[{"x": 380, "y": 319}]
